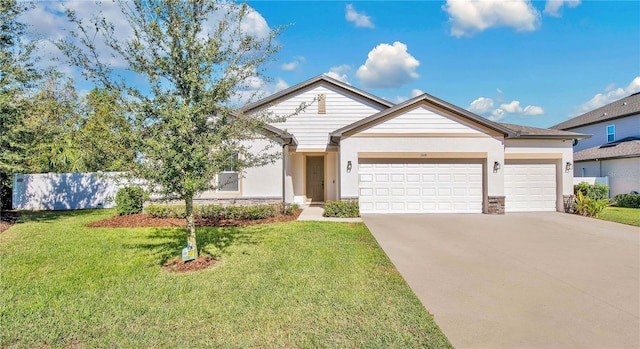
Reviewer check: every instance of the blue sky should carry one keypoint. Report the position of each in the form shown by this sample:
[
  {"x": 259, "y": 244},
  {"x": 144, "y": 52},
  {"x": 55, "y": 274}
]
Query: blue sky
[{"x": 532, "y": 63}]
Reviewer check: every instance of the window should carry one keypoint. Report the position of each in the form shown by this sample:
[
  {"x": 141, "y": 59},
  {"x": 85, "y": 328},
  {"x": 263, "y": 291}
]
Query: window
[
  {"x": 228, "y": 179},
  {"x": 611, "y": 133}
]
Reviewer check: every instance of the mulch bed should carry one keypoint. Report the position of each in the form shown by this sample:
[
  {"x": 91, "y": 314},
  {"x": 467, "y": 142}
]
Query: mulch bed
[
  {"x": 146, "y": 220},
  {"x": 178, "y": 266},
  {"x": 7, "y": 219}
]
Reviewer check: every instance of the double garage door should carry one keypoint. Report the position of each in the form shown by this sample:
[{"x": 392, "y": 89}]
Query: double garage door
[{"x": 421, "y": 186}]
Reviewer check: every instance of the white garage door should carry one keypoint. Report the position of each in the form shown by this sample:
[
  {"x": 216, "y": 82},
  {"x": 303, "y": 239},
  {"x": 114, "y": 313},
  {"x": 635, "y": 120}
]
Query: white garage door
[
  {"x": 388, "y": 186},
  {"x": 529, "y": 187}
]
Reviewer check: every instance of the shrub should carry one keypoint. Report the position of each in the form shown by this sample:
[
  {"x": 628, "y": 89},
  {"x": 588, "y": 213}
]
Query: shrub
[
  {"x": 222, "y": 212},
  {"x": 341, "y": 209},
  {"x": 289, "y": 209},
  {"x": 167, "y": 211},
  {"x": 129, "y": 200},
  {"x": 627, "y": 200},
  {"x": 211, "y": 211},
  {"x": 592, "y": 191},
  {"x": 586, "y": 206}
]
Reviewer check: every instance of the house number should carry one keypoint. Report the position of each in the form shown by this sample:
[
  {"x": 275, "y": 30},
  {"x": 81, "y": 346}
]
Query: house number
[{"x": 423, "y": 155}]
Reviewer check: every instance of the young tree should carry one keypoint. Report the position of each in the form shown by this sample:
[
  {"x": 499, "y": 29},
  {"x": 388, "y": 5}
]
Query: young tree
[{"x": 194, "y": 57}]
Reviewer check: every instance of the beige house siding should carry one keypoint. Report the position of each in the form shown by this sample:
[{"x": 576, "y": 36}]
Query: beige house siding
[
  {"x": 422, "y": 120},
  {"x": 311, "y": 128}
]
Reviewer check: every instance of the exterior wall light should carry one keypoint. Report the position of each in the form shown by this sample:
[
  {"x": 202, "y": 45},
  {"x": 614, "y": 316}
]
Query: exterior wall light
[
  {"x": 496, "y": 166},
  {"x": 567, "y": 167},
  {"x": 349, "y": 166}
]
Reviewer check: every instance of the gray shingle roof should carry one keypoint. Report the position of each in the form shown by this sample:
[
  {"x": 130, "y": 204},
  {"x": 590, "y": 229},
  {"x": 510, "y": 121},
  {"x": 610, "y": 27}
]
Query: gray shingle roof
[
  {"x": 520, "y": 131},
  {"x": 620, "y": 149},
  {"x": 626, "y": 106}
]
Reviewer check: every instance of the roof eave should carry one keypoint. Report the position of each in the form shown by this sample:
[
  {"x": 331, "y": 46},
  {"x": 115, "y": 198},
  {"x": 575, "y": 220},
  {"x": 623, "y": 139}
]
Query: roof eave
[{"x": 274, "y": 97}]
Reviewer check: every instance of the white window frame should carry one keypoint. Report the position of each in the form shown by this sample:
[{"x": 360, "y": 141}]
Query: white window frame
[
  {"x": 612, "y": 134},
  {"x": 229, "y": 171}
]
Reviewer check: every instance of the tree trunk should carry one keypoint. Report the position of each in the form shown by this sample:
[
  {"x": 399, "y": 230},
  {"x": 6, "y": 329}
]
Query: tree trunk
[{"x": 191, "y": 228}]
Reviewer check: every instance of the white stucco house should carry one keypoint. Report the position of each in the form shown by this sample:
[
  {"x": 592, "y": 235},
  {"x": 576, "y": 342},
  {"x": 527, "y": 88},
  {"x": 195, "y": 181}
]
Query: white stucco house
[
  {"x": 613, "y": 151},
  {"x": 420, "y": 156}
]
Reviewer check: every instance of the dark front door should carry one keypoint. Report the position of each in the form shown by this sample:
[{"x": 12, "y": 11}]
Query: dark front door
[{"x": 315, "y": 178}]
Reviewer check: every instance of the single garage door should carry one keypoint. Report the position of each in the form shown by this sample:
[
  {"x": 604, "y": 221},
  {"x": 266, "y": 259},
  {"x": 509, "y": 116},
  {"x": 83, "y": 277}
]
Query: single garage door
[
  {"x": 529, "y": 186},
  {"x": 420, "y": 186}
]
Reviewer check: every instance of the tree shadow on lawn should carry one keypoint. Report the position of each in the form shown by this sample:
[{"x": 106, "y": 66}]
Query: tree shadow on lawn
[
  {"x": 25, "y": 216},
  {"x": 168, "y": 243}
]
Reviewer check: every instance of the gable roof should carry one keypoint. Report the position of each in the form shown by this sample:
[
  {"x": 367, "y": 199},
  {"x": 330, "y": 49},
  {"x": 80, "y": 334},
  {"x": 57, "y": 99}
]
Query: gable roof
[
  {"x": 317, "y": 81},
  {"x": 629, "y": 105},
  {"x": 625, "y": 148},
  {"x": 519, "y": 131},
  {"x": 510, "y": 131}
]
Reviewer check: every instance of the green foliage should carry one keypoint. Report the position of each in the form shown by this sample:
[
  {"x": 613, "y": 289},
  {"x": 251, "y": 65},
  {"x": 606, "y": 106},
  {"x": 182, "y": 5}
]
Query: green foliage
[
  {"x": 593, "y": 191},
  {"x": 627, "y": 200},
  {"x": 193, "y": 59},
  {"x": 289, "y": 209},
  {"x": 129, "y": 200},
  {"x": 342, "y": 209},
  {"x": 624, "y": 215},
  {"x": 587, "y": 206},
  {"x": 253, "y": 212},
  {"x": 74, "y": 286}
]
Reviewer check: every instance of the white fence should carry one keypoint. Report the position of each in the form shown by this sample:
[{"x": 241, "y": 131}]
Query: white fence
[{"x": 66, "y": 191}]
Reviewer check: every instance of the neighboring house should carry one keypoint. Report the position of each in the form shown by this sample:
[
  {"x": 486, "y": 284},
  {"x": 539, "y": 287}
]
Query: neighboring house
[
  {"x": 614, "y": 149},
  {"x": 423, "y": 155}
]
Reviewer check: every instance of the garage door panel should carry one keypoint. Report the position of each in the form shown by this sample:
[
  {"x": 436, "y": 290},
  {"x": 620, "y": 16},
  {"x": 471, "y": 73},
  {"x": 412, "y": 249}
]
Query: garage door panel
[
  {"x": 530, "y": 187},
  {"x": 422, "y": 186}
]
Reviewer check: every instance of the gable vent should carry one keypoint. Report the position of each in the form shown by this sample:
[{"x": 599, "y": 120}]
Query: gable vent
[{"x": 322, "y": 104}]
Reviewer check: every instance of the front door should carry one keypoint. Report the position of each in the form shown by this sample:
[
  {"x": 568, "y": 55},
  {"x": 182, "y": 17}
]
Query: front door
[{"x": 315, "y": 178}]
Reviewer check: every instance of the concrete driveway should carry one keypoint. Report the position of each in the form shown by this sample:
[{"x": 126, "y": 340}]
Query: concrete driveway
[{"x": 542, "y": 280}]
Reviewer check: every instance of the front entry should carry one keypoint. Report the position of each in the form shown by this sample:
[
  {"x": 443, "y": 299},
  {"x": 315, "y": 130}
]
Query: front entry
[{"x": 315, "y": 178}]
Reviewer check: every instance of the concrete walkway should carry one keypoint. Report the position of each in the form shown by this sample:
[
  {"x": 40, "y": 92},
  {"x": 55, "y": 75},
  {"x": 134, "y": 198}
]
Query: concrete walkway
[
  {"x": 314, "y": 213},
  {"x": 543, "y": 280}
]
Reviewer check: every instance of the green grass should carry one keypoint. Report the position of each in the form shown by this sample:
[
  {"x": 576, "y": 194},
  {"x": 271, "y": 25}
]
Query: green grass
[
  {"x": 297, "y": 284},
  {"x": 622, "y": 215}
]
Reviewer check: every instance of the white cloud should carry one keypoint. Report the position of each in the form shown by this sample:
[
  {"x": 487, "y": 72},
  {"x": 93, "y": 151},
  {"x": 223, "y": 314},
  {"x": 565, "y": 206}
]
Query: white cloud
[
  {"x": 611, "y": 94},
  {"x": 388, "y": 66},
  {"x": 497, "y": 115},
  {"x": 485, "y": 106},
  {"x": 358, "y": 18},
  {"x": 532, "y": 110},
  {"x": 280, "y": 85},
  {"x": 416, "y": 92},
  {"x": 552, "y": 8},
  {"x": 481, "y": 105},
  {"x": 297, "y": 60},
  {"x": 468, "y": 17},
  {"x": 512, "y": 108},
  {"x": 339, "y": 73}
]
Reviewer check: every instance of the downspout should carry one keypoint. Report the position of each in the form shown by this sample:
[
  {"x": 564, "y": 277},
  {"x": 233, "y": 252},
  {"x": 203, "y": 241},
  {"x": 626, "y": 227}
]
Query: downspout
[{"x": 284, "y": 172}]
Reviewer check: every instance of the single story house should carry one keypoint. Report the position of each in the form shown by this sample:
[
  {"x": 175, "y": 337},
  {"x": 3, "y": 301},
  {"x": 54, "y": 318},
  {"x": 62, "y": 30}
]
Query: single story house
[{"x": 420, "y": 156}]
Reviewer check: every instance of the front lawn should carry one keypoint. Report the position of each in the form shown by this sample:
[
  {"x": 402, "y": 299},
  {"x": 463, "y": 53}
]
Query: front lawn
[
  {"x": 623, "y": 215},
  {"x": 296, "y": 284}
]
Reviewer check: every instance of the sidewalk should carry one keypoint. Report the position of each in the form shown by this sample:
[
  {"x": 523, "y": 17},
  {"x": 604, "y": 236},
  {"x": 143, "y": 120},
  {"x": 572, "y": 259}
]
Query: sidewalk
[{"x": 314, "y": 213}]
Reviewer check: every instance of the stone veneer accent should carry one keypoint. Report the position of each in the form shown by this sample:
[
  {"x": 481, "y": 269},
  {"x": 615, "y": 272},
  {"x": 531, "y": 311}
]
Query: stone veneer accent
[
  {"x": 568, "y": 203},
  {"x": 496, "y": 205}
]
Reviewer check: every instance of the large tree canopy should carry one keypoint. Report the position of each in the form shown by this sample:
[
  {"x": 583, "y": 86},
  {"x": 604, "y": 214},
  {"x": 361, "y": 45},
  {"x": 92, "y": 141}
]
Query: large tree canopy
[{"x": 191, "y": 61}]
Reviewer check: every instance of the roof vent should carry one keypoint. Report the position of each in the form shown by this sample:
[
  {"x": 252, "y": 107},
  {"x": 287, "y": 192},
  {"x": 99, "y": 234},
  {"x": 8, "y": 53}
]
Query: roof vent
[
  {"x": 624, "y": 103},
  {"x": 604, "y": 114}
]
